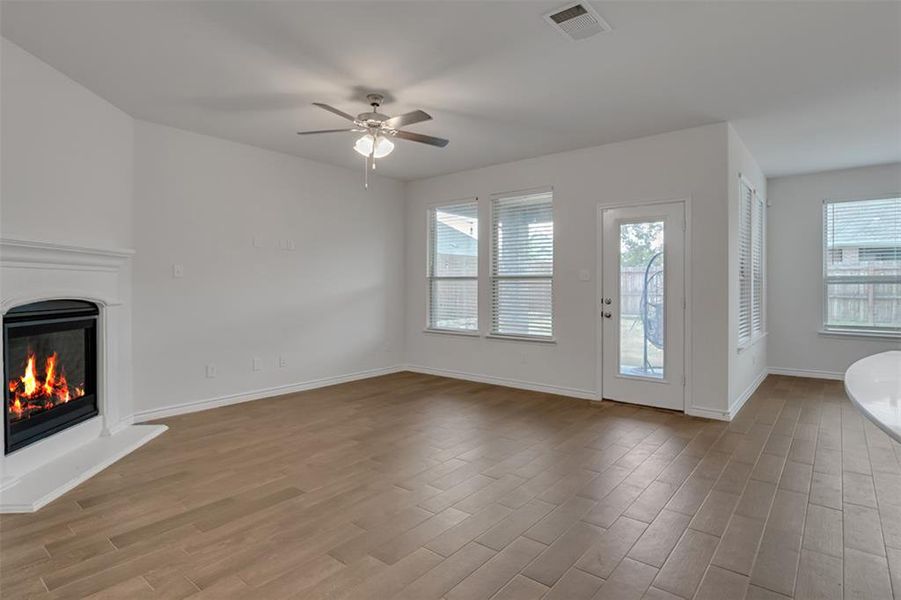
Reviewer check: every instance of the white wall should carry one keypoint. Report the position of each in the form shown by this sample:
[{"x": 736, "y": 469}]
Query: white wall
[
  {"x": 332, "y": 307},
  {"x": 66, "y": 172},
  {"x": 66, "y": 157},
  {"x": 795, "y": 267},
  {"x": 685, "y": 164},
  {"x": 747, "y": 366}
]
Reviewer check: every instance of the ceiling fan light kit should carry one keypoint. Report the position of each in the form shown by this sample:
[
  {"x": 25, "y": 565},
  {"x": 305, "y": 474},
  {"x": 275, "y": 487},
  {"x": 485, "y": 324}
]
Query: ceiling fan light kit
[
  {"x": 383, "y": 146},
  {"x": 377, "y": 129}
]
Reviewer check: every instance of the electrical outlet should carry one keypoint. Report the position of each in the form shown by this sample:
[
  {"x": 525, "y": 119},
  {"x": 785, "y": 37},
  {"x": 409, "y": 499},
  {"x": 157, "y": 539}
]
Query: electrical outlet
[
  {"x": 210, "y": 371},
  {"x": 178, "y": 271},
  {"x": 257, "y": 363},
  {"x": 282, "y": 361}
]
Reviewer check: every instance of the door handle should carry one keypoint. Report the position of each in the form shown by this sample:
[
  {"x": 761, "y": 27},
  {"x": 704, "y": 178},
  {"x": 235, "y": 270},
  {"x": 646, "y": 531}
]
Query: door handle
[
  {"x": 608, "y": 314},
  {"x": 608, "y": 300}
]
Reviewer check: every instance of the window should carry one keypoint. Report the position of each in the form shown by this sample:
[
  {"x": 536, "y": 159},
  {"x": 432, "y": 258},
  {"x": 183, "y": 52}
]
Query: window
[
  {"x": 453, "y": 269},
  {"x": 522, "y": 265},
  {"x": 751, "y": 232},
  {"x": 862, "y": 287}
]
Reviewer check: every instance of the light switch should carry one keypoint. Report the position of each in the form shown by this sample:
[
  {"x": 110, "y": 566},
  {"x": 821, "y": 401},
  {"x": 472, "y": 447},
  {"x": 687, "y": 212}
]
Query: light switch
[
  {"x": 257, "y": 242},
  {"x": 257, "y": 363},
  {"x": 210, "y": 371},
  {"x": 178, "y": 271},
  {"x": 584, "y": 275}
]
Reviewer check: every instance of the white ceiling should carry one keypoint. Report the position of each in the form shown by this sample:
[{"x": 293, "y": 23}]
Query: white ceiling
[{"x": 808, "y": 85}]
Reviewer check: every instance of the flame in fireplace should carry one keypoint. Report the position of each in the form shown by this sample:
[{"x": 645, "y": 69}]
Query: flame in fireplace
[
  {"x": 50, "y": 370},
  {"x": 29, "y": 381},
  {"x": 29, "y": 394}
]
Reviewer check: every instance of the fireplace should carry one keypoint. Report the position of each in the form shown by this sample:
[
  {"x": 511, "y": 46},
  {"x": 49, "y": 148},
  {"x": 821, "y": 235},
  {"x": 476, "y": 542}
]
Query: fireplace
[{"x": 50, "y": 369}]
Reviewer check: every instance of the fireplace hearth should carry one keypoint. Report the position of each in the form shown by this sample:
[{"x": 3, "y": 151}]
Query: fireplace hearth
[{"x": 50, "y": 369}]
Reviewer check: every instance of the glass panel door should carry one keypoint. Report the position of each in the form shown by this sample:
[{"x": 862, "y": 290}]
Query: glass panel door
[
  {"x": 642, "y": 299},
  {"x": 642, "y": 304}
]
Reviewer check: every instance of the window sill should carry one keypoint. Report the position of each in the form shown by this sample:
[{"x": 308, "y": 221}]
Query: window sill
[
  {"x": 752, "y": 342},
  {"x": 520, "y": 338},
  {"x": 859, "y": 334},
  {"x": 472, "y": 334}
]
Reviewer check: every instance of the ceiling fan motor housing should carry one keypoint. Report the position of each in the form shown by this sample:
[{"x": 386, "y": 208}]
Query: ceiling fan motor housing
[{"x": 372, "y": 119}]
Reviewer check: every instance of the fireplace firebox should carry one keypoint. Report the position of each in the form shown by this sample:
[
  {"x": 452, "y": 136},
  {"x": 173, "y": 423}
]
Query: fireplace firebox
[{"x": 50, "y": 369}]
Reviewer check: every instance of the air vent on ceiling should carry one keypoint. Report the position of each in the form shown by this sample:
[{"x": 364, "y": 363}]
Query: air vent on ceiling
[{"x": 577, "y": 21}]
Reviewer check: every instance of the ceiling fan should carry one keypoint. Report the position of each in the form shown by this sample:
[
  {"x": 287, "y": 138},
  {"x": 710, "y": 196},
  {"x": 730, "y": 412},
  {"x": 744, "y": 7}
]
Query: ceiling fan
[{"x": 378, "y": 129}]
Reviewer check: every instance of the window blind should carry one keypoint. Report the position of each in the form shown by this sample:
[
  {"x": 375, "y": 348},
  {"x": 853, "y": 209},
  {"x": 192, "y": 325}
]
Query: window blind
[
  {"x": 757, "y": 265},
  {"x": 522, "y": 265},
  {"x": 862, "y": 265},
  {"x": 453, "y": 269},
  {"x": 751, "y": 243}
]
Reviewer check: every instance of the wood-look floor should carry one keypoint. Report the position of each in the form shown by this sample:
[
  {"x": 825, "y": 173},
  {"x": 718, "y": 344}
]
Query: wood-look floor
[{"x": 418, "y": 487}]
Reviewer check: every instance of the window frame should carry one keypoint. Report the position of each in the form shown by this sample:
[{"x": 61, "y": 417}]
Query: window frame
[
  {"x": 757, "y": 234},
  {"x": 431, "y": 211},
  {"x": 492, "y": 334},
  {"x": 862, "y": 332}
]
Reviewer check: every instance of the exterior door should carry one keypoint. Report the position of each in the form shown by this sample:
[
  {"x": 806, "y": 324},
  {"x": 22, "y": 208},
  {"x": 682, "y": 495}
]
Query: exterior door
[{"x": 642, "y": 305}]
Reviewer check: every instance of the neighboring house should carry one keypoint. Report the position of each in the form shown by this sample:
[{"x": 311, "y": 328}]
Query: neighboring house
[
  {"x": 457, "y": 244},
  {"x": 865, "y": 234}
]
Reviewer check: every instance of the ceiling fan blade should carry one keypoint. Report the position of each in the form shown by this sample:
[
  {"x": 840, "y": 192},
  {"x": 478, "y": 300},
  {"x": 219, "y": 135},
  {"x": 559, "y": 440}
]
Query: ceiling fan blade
[
  {"x": 416, "y": 116},
  {"x": 325, "y": 131},
  {"x": 334, "y": 110},
  {"x": 424, "y": 139}
]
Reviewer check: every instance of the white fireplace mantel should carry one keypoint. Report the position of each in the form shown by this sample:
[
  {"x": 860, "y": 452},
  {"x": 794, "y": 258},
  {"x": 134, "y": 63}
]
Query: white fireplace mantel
[
  {"x": 31, "y": 271},
  {"x": 47, "y": 255}
]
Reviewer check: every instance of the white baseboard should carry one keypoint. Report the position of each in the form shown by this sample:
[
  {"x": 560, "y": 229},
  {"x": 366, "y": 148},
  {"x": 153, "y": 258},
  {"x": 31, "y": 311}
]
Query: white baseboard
[
  {"x": 503, "y": 381},
  {"x": 198, "y": 405},
  {"x": 708, "y": 413},
  {"x": 745, "y": 395},
  {"x": 728, "y": 415},
  {"x": 807, "y": 373}
]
